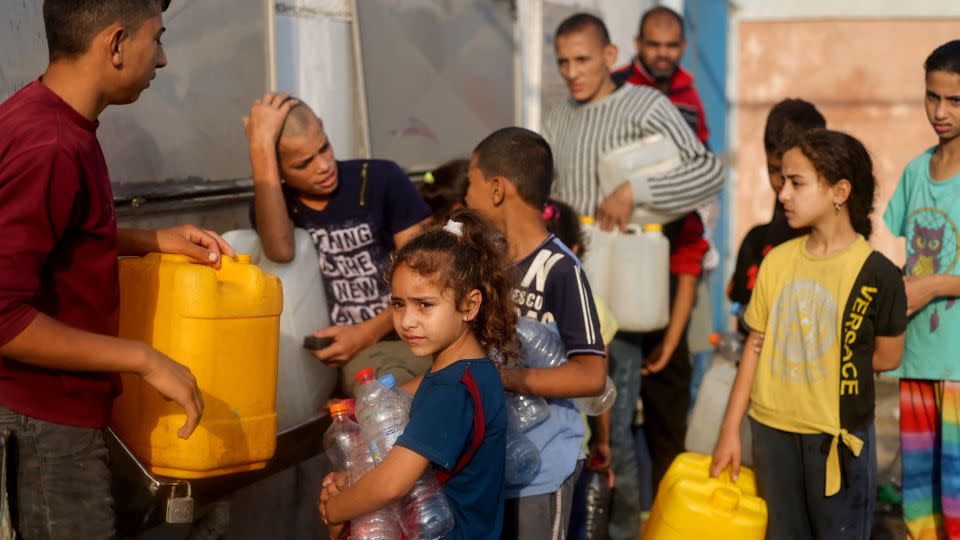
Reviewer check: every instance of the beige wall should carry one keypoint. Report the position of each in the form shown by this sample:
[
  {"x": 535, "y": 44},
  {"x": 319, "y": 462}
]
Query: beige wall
[{"x": 865, "y": 76}]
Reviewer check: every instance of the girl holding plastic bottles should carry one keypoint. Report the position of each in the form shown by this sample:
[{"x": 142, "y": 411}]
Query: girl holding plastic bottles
[
  {"x": 830, "y": 311},
  {"x": 451, "y": 298}
]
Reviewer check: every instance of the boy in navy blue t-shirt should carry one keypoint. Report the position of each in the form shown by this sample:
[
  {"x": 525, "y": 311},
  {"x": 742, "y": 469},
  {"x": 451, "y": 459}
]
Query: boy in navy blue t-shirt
[
  {"x": 356, "y": 212},
  {"x": 510, "y": 176}
]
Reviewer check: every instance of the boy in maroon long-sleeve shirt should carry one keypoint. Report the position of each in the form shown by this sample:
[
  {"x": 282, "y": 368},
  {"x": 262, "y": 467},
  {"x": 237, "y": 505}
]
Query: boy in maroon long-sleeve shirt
[{"x": 59, "y": 354}]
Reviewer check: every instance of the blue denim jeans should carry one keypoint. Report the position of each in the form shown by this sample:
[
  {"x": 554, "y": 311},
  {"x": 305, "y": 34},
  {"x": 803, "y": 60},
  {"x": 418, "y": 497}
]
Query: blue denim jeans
[
  {"x": 791, "y": 472},
  {"x": 625, "y": 504},
  {"x": 59, "y": 480}
]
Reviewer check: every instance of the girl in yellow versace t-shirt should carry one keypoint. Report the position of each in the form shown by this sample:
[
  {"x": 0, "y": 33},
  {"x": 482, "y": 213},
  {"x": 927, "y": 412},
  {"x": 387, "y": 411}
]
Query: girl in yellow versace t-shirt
[{"x": 829, "y": 311}]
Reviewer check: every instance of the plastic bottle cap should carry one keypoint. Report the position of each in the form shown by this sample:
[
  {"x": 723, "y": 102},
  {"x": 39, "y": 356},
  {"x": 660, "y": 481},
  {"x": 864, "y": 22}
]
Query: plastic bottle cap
[
  {"x": 388, "y": 380},
  {"x": 587, "y": 220},
  {"x": 350, "y": 403},
  {"x": 365, "y": 375},
  {"x": 339, "y": 408},
  {"x": 715, "y": 339},
  {"x": 653, "y": 227}
]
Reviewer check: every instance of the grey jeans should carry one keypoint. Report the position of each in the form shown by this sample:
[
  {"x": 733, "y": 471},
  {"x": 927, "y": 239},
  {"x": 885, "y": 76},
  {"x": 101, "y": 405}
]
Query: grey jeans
[{"x": 58, "y": 481}]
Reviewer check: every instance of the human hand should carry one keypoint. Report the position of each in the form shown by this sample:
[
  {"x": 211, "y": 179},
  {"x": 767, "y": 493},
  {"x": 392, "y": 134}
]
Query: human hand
[
  {"x": 348, "y": 340},
  {"x": 267, "y": 115},
  {"x": 616, "y": 209},
  {"x": 332, "y": 485},
  {"x": 601, "y": 456},
  {"x": 921, "y": 290},
  {"x": 201, "y": 245},
  {"x": 726, "y": 453},
  {"x": 174, "y": 381},
  {"x": 658, "y": 359}
]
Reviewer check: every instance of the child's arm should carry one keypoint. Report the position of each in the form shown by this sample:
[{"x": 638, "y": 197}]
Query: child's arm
[
  {"x": 888, "y": 352},
  {"x": 48, "y": 343},
  {"x": 682, "y": 307},
  {"x": 727, "y": 451},
  {"x": 582, "y": 375},
  {"x": 201, "y": 245},
  {"x": 386, "y": 484},
  {"x": 921, "y": 290},
  {"x": 262, "y": 128}
]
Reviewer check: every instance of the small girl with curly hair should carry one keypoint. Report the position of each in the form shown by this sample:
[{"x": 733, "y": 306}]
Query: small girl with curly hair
[{"x": 451, "y": 299}]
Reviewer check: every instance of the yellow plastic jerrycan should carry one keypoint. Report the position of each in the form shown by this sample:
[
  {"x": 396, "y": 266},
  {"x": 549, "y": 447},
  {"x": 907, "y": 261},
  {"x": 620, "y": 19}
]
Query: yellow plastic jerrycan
[
  {"x": 223, "y": 325},
  {"x": 690, "y": 504}
]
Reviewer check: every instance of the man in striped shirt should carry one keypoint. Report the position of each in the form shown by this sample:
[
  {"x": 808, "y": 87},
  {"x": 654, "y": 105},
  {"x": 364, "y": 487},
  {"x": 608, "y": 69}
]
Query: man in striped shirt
[{"x": 600, "y": 117}]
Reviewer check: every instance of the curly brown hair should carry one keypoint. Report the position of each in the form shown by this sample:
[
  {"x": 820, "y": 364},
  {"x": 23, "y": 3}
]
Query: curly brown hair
[
  {"x": 838, "y": 156},
  {"x": 477, "y": 260}
]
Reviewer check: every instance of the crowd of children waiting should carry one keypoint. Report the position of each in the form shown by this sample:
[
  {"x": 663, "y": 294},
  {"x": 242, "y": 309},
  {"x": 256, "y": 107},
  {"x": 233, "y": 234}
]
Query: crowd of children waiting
[{"x": 425, "y": 285}]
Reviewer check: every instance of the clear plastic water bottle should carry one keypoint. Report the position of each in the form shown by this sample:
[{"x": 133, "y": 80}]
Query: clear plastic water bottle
[
  {"x": 390, "y": 382},
  {"x": 525, "y": 412},
  {"x": 598, "y": 506},
  {"x": 523, "y": 459},
  {"x": 348, "y": 452},
  {"x": 597, "y": 405},
  {"x": 728, "y": 344},
  {"x": 540, "y": 347},
  {"x": 381, "y": 414},
  {"x": 425, "y": 513}
]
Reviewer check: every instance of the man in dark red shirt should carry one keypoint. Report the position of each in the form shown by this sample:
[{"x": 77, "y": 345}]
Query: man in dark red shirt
[
  {"x": 59, "y": 354},
  {"x": 660, "y": 45}
]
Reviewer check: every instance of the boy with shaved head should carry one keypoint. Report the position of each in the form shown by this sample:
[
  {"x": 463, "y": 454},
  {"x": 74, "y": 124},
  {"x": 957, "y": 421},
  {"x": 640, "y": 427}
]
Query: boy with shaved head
[
  {"x": 356, "y": 212},
  {"x": 60, "y": 358}
]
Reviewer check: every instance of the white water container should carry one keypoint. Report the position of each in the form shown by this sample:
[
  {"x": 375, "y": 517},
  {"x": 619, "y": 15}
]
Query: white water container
[
  {"x": 304, "y": 384},
  {"x": 637, "y": 161},
  {"x": 596, "y": 261},
  {"x": 639, "y": 279},
  {"x": 707, "y": 415}
]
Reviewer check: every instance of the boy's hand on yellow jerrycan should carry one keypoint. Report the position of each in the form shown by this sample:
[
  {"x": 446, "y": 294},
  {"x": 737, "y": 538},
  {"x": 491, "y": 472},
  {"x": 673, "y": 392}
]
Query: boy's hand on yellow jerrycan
[
  {"x": 202, "y": 246},
  {"x": 726, "y": 453},
  {"x": 175, "y": 382}
]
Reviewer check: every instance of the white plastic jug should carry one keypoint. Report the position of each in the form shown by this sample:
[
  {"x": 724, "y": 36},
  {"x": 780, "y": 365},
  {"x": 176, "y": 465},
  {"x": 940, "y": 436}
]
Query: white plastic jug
[
  {"x": 707, "y": 415},
  {"x": 639, "y": 279},
  {"x": 304, "y": 384},
  {"x": 650, "y": 155},
  {"x": 596, "y": 262}
]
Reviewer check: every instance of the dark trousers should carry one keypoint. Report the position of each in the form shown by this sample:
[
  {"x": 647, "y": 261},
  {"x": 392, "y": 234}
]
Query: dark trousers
[
  {"x": 666, "y": 402},
  {"x": 58, "y": 481},
  {"x": 791, "y": 474}
]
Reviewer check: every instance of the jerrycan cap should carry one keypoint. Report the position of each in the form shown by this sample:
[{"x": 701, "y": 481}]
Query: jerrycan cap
[
  {"x": 243, "y": 258},
  {"x": 587, "y": 220},
  {"x": 388, "y": 380},
  {"x": 365, "y": 375},
  {"x": 339, "y": 408},
  {"x": 653, "y": 227},
  {"x": 725, "y": 498}
]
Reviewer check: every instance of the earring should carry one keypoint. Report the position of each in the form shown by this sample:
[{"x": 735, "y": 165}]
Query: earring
[{"x": 836, "y": 208}]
